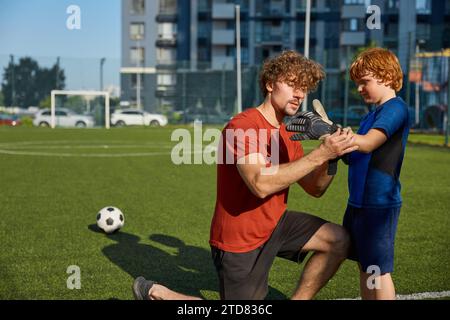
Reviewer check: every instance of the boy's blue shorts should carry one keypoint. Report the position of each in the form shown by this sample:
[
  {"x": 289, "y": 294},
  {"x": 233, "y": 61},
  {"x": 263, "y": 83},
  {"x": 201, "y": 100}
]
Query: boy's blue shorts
[{"x": 372, "y": 233}]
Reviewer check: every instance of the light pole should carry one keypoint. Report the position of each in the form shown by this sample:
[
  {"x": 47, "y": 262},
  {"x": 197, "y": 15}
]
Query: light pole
[
  {"x": 448, "y": 103},
  {"x": 307, "y": 35},
  {"x": 57, "y": 74},
  {"x": 102, "y": 62},
  {"x": 13, "y": 93},
  {"x": 238, "y": 58},
  {"x": 138, "y": 76},
  {"x": 347, "y": 85},
  {"x": 417, "y": 88}
]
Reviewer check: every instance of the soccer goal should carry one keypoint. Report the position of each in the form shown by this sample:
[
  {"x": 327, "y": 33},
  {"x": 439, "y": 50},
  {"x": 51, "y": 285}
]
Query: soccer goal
[{"x": 82, "y": 109}]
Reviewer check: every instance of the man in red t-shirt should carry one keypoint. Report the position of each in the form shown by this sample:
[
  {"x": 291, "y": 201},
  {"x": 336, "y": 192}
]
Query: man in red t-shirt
[{"x": 257, "y": 163}]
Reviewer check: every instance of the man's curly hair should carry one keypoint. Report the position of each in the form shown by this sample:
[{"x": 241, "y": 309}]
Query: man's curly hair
[
  {"x": 293, "y": 69},
  {"x": 382, "y": 64}
]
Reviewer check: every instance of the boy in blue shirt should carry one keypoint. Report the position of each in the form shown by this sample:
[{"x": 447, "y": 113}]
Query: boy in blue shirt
[{"x": 374, "y": 170}]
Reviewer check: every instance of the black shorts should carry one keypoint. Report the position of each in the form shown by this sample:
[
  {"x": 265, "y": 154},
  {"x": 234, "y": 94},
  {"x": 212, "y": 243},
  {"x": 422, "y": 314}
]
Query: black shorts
[{"x": 244, "y": 276}]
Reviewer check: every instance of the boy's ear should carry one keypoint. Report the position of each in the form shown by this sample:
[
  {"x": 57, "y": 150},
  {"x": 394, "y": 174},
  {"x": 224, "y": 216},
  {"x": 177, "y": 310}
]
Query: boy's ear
[{"x": 269, "y": 87}]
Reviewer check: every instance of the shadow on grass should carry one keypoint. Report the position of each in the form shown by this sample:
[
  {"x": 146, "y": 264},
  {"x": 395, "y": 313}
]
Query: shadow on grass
[{"x": 189, "y": 270}]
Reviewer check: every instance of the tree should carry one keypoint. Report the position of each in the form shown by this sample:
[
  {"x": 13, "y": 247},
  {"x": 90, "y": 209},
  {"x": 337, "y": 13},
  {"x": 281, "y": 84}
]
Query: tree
[
  {"x": 30, "y": 83},
  {"x": 1, "y": 99},
  {"x": 46, "y": 103}
]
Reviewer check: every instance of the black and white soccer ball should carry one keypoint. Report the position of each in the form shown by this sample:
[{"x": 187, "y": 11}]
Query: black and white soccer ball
[{"x": 110, "y": 219}]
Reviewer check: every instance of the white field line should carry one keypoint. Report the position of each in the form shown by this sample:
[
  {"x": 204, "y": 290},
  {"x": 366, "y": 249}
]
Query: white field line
[
  {"x": 415, "y": 296},
  {"x": 12, "y": 149}
]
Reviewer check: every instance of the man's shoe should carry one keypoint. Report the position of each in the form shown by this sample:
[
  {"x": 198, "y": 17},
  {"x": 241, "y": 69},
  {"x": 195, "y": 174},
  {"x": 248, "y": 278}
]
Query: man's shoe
[{"x": 141, "y": 288}]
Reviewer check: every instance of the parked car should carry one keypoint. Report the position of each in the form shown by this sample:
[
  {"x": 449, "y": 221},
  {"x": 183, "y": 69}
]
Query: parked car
[
  {"x": 63, "y": 118},
  {"x": 9, "y": 120},
  {"x": 135, "y": 117}
]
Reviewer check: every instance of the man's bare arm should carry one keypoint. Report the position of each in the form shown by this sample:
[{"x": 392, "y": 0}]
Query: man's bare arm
[
  {"x": 318, "y": 181},
  {"x": 264, "y": 181}
]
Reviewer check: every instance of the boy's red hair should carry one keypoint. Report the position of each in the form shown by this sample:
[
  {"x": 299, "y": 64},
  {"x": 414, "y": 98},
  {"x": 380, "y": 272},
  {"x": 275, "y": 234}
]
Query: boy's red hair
[{"x": 382, "y": 64}]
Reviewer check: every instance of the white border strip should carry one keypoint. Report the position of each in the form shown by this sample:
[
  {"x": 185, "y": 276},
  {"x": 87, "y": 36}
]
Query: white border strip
[{"x": 415, "y": 296}]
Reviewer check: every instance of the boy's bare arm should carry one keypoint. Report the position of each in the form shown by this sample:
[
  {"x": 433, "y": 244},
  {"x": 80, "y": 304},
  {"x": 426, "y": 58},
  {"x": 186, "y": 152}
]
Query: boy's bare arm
[{"x": 371, "y": 141}]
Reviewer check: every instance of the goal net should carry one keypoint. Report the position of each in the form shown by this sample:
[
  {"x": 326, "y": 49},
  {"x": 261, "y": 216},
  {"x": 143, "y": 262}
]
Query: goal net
[{"x": 83, "y": 109}]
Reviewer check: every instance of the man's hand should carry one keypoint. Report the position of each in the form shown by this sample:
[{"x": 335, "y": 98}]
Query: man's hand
[
  {"x": 309, "y": 126},
  {"x": 345, "y": 158},
  {"x": 339, "y": 144}
]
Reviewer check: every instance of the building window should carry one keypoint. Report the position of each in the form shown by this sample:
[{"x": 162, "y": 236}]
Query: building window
[
  {"x": 393, "y": 5},
  {"x": 332, "y": 5},
  {"x": 137, "y": 31},
  {"x": 423, "y": 31},
  {"x": 137, "y": 7},
  {"x": 353, "y": 24},
  {"x": 301, "y": 5},
  {"x": 423, "y": 6},
  {"x": 166, "y": 30},
  {"x": 166, "y": 80},
  {"x": 204, "y": 29},
  {"x": 204, "y": 53},
  {"x": 137, "y": 56},
  {"x": 168, "y": 6},
  {"x": 204, "y": 5},
  {"x": 354, "y": 1},
  {"x": 134, "y": 81},
  {"x": 165, "y": 55}
]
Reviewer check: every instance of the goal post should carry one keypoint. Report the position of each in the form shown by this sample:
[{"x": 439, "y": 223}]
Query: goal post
[{"x": 82, "y": 93}]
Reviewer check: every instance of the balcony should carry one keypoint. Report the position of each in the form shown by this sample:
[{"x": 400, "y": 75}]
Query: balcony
[
  {"x": 353, "y": 11},
  {"x": 166, "y": 64},
  {"x": 222, "y": 63},
  {"x": 166, "y": 42},
  {"x": 266, "y": 38},
  {"x": 223, "y": 11},
  {"x": 167, "y": 16},
  {"x": 349, "y": 38},
  {"x": 166, "y": 91},
  {"x": 223, "y": 37}
]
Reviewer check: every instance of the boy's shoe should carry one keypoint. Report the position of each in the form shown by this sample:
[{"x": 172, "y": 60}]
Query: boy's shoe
[{"x": 141, "y": 288}]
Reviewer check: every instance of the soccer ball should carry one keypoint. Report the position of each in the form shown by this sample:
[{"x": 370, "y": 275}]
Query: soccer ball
[{"x": 110, "y": 219}]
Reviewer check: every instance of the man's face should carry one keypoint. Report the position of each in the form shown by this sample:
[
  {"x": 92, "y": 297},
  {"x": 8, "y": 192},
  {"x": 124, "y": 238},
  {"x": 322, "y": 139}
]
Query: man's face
[
  {"x": 372, "y": 90},
  {"x": 285, "y": 98}
]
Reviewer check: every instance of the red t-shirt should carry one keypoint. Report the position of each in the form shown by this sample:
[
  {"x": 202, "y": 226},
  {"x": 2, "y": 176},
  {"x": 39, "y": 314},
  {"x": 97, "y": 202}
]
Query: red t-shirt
[{"x": 242, "y": 222}]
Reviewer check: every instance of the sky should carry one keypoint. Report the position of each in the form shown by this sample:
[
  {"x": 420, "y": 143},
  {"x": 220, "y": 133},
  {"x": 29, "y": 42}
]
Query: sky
[{"x": 38, "y": 28}]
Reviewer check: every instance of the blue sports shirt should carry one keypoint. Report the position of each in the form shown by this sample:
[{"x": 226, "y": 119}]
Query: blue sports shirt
[{"x": 373, "y": 179}]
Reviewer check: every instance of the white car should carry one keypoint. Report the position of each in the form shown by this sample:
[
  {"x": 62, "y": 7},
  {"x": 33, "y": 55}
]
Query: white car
[
  {"x": 135, "y": 117},
  {"x": 63, "y": 118}
]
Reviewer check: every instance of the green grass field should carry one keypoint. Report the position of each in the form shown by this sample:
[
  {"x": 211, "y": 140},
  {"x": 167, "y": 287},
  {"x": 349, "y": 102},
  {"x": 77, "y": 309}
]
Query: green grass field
[{"x": 53, "y": 183}]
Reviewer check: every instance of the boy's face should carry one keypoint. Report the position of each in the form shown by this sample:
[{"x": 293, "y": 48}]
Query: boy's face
[
  {"x": 372, "y": 90},
  {"x": 285, "y": 98}
]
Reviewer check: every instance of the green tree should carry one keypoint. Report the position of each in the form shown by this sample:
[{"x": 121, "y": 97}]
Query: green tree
[
  {"x": 2, "y": 101},
  {"x": 26, "y": 84},
  {"x": 46, "y": 103}
]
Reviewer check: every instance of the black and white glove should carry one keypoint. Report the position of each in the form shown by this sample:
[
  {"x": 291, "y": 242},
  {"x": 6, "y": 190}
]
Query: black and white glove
[{"x": 309, "y": 126}]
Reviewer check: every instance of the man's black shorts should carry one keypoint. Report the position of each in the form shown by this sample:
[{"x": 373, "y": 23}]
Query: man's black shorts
[{"x": 244, "y": 276}]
